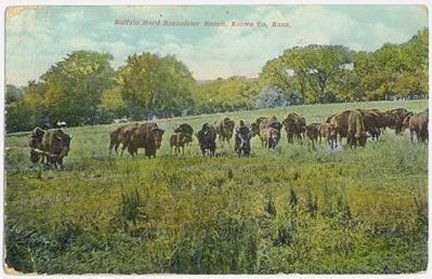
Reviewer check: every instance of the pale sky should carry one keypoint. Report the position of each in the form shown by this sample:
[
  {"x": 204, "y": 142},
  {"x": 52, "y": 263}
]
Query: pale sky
[{"x": 36, "y": 38}]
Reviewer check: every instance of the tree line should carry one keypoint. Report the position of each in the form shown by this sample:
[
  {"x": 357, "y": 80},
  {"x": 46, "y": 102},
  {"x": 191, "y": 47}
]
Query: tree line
[{"x": 84, "y": 89}]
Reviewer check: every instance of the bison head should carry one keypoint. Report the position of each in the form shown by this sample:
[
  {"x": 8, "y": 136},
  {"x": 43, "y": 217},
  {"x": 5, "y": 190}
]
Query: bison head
[
  {"x": 243, "y": 136},
  {"x": 64, "y": 140},
  {"x": 228, "y": 127},
  {"x": 157, "y": 134}
]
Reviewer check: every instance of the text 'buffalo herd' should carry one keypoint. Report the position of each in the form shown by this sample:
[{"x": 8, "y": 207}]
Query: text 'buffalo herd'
[{"x": 355, "y": 125}]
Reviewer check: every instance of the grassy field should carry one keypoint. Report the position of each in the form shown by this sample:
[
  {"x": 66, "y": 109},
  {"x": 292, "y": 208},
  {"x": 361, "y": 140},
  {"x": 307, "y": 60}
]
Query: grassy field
[{"x": 291, "y": 210}]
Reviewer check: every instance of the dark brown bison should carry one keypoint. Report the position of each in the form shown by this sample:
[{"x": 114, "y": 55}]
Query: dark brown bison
[
  {"x": 312, "y": 133},
  {"x": 55, "y": 146},
  {"x": 147, "y": 136},
  {"x": 395, "y": 119},
  {"x": 269, "y": 137},
  {"x": 347, "y": 124},
  {"x": 242, "y": 140},
  {"x": 356, "y": 134},
  {"x": 295, "y": 126},
  {"x": 180, "y": 139},
  {"x": 225, "y": 129},
  {"x": 374, "y": 121},
  {"x": 184, "y": 128},
  {"x": 417, "y": 123},
  {"x": 36, "y": 144},
  {"x": 264, "y": 122},
  {"x": 207, "y": 139},
  {"x": 269, "y": 122},
  {"x": 324, "y": 132},
  {"x": 119, "y": 135}
]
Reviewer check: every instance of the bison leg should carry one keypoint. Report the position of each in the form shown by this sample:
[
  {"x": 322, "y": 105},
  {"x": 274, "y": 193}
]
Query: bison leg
[
  {"x": 116, "y": 148},
  {"x": 412, "y": 135}
]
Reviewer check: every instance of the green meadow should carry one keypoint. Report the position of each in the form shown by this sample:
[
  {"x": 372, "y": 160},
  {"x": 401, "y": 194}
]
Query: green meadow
[{"x": 288, "y": 210}]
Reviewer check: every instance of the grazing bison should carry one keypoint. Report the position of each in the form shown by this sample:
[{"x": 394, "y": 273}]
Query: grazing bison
[
  {"x": 269, "y": 137},
  {"x": 36, "y": 144},
  {"x": 374, "y": 121},
  {"x": 55, "y": 146},
  {"x": 417, "y": 123},
  {"x": 207, "y": 139},
  {"x": 356, "y": 134},
  {"x": 225, "y": 129},
  {"x": 184, "y": 128},
  {"x": 347, "y": 124},
  {"x": 242, "y": 140},
  {"x": 295, "y": 126},
  {"x": 395, "y": 119},
  {"x": 180, "y": 139},
  {"x": 147, "y": 136},
  {"x": 312, "y": 132}
]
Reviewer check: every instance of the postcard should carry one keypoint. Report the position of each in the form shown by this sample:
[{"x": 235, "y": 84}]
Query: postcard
[{"x": 216, "y": 139}]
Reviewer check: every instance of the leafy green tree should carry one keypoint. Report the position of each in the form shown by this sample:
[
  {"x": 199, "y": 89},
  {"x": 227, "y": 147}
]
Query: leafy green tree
[
  {"x": 393, "y": 71},
  {"x": 226, "y": 94},
  {"x": 28, "y": 111},
  {"x": 313, "y": 72},
  {"x": 13, "y": 93},
  {"x": 74, "y": 86},
  {"x": 158, "y": 85}
]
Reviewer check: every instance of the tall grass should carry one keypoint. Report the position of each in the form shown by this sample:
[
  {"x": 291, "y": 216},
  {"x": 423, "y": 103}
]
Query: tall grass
[{"x": 292, "y": 210}]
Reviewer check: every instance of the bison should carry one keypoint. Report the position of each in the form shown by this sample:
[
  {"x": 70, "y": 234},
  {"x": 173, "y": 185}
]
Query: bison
[
  {"x": 312, "y": 132},
  {"x": 395, "y": 119},
  {"x": 356, "y": 134},
  {"x": 374, "y": 121},
  {"x": 120, "y": 135},
  {"x": 225, "y": 129},
  {"x": 324, "y": 132},
  {"x": 184, "y": 128},
  {"x": 147, "y": 136},
  {"x": 55, "y": 146},
  {"x": 347, "y": 124},
  {"x": 295, "y": 126},
  {"x": 263, "y": 122},
  {"x": 242, "y": 140},
  {"x": 207, "y": 139},
  {"x": 269, "y": 137},
  {"x": 36, "y": 144},
  {"x": 179, "y": 139},
  {"x": 417, "y": 123}
]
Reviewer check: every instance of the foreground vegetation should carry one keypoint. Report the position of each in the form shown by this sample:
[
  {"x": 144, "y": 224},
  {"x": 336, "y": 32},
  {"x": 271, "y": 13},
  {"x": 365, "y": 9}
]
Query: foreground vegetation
[{"x": 292, "y": 209}]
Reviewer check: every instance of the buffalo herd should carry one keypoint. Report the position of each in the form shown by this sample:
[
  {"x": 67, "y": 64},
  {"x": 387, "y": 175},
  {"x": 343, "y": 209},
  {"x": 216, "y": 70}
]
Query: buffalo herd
[{"x": 356, "y": 125}]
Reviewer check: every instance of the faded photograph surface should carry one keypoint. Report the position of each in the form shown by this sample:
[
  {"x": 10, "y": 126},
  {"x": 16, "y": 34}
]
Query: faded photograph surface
[{"x": 223, "y": 139}]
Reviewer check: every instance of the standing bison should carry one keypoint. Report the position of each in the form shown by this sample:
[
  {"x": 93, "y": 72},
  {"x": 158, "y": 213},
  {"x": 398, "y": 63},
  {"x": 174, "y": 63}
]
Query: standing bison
[
  {"x": 312, "y": 133},
  {"x": 374, "y": 121},
  {"x": 242, "y": 140},
  {"x": 295, "y": 126},
  {"x": 55, "y": 146},
  {"x": 269, "y": 137},
  {"x": 207, "y": 139},
  {"x": 121, "y": 135},
  {"x": 225, "y": 129},
  {"x": 147, "y": 136},
  {"x": 36, "y": 144},
  {"x": 395, "y": 119},
  {"x": 324, "y": 132},
  {"x": 184, "y": 128},
  {"x": 417, "y": 123},
  {"x": 348, "y": 124},
  {"x": 179, "y": 139}
]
